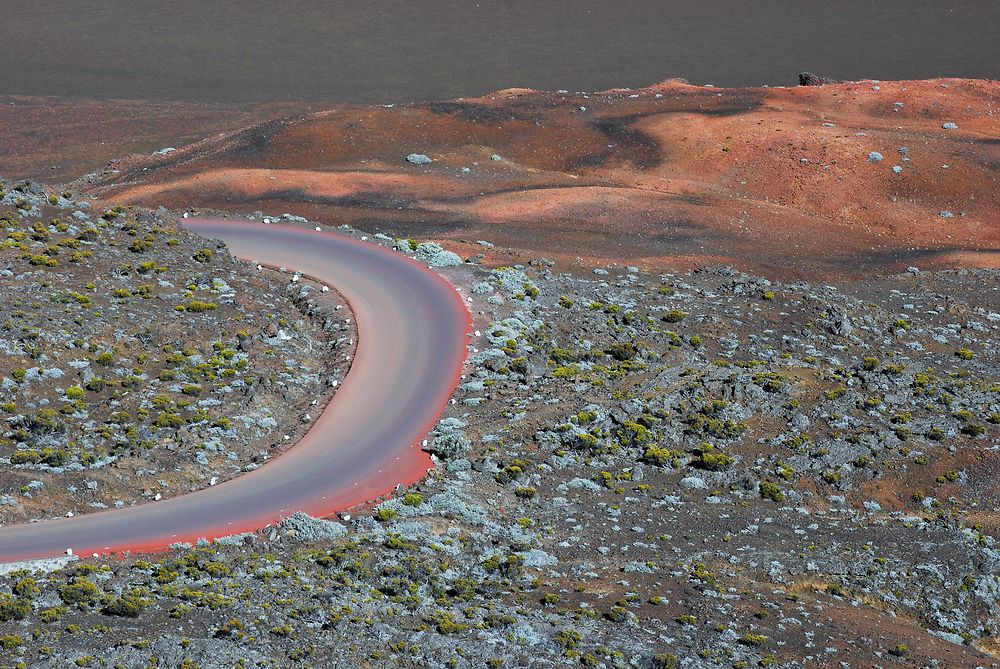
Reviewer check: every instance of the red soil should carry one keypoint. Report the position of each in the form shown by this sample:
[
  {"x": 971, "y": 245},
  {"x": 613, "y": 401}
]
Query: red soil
[{"x": 769, "y": 179}]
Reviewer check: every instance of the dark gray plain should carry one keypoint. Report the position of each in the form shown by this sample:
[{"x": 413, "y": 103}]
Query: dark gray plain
[{"x": 406, "y": 50}]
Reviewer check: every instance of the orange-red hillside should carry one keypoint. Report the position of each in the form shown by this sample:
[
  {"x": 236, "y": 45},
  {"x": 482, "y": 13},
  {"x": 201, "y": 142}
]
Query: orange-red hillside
[{"x": 781, "y": 180}]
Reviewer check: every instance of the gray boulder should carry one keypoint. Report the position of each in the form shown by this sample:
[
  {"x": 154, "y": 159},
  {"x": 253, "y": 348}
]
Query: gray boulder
[
  {"x": 418, "y": 159},
  {"x": 304, "y": 527}
]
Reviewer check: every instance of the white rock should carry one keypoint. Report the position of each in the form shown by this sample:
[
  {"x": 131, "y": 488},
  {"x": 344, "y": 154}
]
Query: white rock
[{"x": 418, "y": 159}]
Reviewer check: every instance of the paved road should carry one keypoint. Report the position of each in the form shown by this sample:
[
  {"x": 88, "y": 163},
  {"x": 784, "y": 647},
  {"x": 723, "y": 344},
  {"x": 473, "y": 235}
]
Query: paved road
[{"x": 413, "y": 332}]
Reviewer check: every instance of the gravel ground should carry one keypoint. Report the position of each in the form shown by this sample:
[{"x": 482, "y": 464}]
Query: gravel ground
[{"x": 639, "y": 470}]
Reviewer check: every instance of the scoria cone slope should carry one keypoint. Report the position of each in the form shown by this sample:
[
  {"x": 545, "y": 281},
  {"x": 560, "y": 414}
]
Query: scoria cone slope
[{"x": 842, "y": 179}]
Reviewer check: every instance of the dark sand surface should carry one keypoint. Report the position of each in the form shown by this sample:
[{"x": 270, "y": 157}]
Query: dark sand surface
[{"x": 404, "y": 51}]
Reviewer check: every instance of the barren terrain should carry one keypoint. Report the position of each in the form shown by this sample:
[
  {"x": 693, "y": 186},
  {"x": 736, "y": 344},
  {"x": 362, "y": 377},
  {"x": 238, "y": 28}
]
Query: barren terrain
[
  {"x": 836, "y": 180},
  {"x": 640, "y": 470},
  {"x": 55, "y": 140},
  {"x": 732, "y": 396},
  {"x": 139, "y": 361}
]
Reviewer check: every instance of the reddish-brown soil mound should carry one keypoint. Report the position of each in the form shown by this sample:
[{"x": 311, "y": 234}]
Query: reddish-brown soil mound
[{"x": 780, "y": 180}]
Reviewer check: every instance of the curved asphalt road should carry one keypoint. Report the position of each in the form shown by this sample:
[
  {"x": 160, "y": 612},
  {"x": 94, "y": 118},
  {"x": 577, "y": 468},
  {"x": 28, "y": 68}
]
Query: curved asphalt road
[{"x": 412, "y": 328}]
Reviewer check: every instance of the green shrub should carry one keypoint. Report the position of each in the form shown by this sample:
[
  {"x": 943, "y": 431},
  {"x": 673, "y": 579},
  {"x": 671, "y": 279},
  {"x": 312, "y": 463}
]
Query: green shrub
[
  {"x": 199, "y": 306},
  {"x": 623, "y": 351},
  {"x": 169, "y": 420},
  {"x": 127, "y": 606},
  {"x": 232, "y": 628},
  {"x": 769, "y": 381},
  {"x": 51, "y": 614},
  {"x": 935, "y": 434},
  {"x": 708, "y": 458},
  {"x": 27, "y": 588},
  {"x": 384, "y": 515},
  {"x": 771, "y": 491},
  {"x": 665, "y": 661},
  {"x": 42, "y": 261},
  {"x": 657, "y": 455},
  {"x": 95, "y": 385},
  {"x": 568, "y": 639},
  {"x": 973, "y": 430},
  {"x": 13, "y": 609},
  {"x": 25, "y": 458},
  {"x": 161, "y": 401},
  {"x": 80, "y": 592},
  {"x": 445, "y": 623}
]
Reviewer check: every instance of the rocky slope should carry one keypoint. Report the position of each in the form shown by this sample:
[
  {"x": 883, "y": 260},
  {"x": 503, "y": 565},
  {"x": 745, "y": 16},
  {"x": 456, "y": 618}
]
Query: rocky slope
[
  {"x": 640, "y": 470},
  {"x": 138, "y": 361},
  {"x": 837, "y": 180}
]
